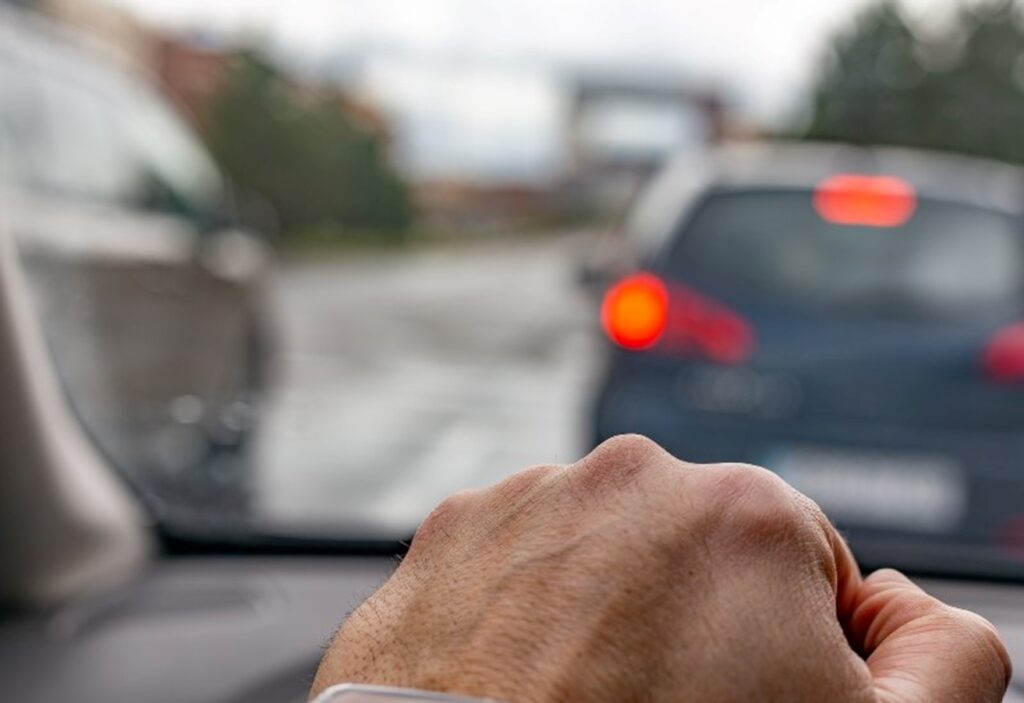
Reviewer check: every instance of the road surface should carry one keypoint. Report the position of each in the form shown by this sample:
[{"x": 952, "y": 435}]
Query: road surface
[{"x": 404, "y": 377}]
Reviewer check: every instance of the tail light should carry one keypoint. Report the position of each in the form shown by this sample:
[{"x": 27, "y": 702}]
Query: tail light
[
  {"x": 1004, "y": 355},
  {"x": 635, "y": 311},
  {"x": 642, "y": 311}
]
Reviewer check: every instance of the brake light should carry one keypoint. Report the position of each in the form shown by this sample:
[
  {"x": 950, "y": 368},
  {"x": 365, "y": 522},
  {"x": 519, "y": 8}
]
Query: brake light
[
  {"x": 871, "y": 201},
  {"x": 642, "y": 311},
  {"x": 635, "y": 311},
  {"x": 699, "y": 325},
  {"x": 1004, "y": 355}
]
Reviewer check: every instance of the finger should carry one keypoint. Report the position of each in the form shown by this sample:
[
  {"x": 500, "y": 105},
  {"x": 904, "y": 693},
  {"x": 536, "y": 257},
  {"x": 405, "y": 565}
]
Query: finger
[{"x": 920, "y": 649}]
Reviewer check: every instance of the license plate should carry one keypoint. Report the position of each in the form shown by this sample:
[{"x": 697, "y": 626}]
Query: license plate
[{"x": 923, "y": 493}]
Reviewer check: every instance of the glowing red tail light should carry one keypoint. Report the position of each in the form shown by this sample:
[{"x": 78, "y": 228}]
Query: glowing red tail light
[
  {"x": 635, "y": 311},
  {"x": 1004, "y": 355},
  {"x": 871, "y": 201},
  {"x": 642, "y": 311}
]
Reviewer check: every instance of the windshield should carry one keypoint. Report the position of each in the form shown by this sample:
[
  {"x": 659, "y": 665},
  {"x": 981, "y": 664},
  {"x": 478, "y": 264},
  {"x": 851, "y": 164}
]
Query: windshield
[
  {"x": 305, "y": 269},
  {"x": 947, "y": 261}
]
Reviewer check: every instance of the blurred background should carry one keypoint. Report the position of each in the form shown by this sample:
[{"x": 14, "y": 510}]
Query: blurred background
[{"x": 307, "y": 268}]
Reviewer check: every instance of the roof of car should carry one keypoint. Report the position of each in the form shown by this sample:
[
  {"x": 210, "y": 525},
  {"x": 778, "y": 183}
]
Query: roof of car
[
  {"x": 804, "y": 164},
  {"x": 34, "y": 39}
]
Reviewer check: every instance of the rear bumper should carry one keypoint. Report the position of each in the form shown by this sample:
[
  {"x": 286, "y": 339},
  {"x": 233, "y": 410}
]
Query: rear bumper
[{"x": 992, "y": 462}]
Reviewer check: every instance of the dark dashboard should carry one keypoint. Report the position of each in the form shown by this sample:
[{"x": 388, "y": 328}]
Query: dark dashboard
[
  {"x": 234, "y": 629},
  {"x": 189, "y": 630}
]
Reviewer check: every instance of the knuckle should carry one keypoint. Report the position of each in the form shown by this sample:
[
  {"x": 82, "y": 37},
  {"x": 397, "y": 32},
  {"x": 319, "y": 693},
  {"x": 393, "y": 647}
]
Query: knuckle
[
  {"x": 748, "y": 490},
  {"x": 754, "y": 506},
  {"x": 443, "y": 519},
  {"x": 985, "y": 637},
  {"x": 633, "y": 448},
  {"x": 617, "y": 462}
]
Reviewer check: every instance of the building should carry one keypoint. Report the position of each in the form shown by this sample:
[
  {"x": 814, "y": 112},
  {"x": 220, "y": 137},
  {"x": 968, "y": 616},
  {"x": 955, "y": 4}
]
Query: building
[{"x": 622, "y": 126}]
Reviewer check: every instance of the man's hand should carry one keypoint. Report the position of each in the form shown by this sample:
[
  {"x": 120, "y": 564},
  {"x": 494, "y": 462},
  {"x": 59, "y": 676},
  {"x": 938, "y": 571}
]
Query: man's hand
[{"x": 632, "y": 576}]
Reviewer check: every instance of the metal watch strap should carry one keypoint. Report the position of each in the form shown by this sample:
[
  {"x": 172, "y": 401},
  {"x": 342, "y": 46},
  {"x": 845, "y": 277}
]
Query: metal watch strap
[{"x": 355, "y": 693}]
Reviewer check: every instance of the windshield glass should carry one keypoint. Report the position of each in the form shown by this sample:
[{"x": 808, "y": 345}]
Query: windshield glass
[
  {"x": 948, "y": 260},
  {"x": 305, "y": 269}
]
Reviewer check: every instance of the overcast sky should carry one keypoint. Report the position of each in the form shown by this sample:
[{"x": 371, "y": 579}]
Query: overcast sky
[{"x": 468, "y": 76}]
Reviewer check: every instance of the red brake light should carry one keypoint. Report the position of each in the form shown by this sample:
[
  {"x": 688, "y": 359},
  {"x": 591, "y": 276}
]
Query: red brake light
[
  {"x": 642, "y": 311},
  {"x": 872, "y": 201},
  {"x": 707, "y": 327},
  {"x": 1004, "y": 356},
  {"x": 635, "y": 311},
  {"x": 726, "y": 338}
]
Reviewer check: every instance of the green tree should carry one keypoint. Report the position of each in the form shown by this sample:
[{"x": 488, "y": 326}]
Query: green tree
[
  {"x": 318, "y": 167},
  {"x": 960, "y": 92},
  {"x": 982, "y": 96},
  {"x": 866, "y": 92}
]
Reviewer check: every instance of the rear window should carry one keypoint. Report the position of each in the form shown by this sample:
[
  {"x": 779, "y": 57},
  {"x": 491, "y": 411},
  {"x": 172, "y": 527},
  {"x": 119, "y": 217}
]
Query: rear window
[{"x": 948, "y": 260}]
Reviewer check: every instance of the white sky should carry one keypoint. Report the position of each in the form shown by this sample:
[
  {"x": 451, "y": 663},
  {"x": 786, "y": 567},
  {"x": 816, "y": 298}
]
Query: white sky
[{"x": 468, "y": 81}]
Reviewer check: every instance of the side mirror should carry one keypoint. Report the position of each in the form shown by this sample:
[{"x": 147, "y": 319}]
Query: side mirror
[
  {"x": 234, "y": 254},
  {"x": 601, "y": 263},
  {"x": 593, "y": 277}
]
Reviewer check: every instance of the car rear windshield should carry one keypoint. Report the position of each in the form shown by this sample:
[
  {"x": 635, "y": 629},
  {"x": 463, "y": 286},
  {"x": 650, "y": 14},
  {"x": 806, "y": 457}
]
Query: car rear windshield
[{"x": 947, "y": 260}]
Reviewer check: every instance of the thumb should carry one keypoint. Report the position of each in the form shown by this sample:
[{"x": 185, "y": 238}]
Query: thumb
[{"x": 920, "y": 649}]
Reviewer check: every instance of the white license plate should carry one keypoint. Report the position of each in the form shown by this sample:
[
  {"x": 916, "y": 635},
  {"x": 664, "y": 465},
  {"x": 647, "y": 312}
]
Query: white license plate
[{"x": 924, "y": 493}]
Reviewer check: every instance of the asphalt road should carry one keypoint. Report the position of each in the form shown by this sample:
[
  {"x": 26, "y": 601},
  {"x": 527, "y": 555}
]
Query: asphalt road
[{"x": 404, "y": 377}]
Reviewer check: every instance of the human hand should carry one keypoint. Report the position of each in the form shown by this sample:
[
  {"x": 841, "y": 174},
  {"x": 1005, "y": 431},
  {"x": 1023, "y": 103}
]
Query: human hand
[{"x": 632, "y": 576}]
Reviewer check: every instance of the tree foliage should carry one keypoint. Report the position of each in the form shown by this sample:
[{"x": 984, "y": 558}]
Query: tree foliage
[
  {"x": 961, "y": 90},
  {"x": 301, "y": 151}
]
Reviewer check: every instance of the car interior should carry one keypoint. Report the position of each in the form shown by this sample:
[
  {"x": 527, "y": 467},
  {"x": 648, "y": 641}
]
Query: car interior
[{"x": 275, "y": 282}]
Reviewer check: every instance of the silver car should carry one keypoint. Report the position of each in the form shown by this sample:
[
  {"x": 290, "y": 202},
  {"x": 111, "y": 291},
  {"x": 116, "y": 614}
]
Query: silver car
[{"x": 127, "y": 235}]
